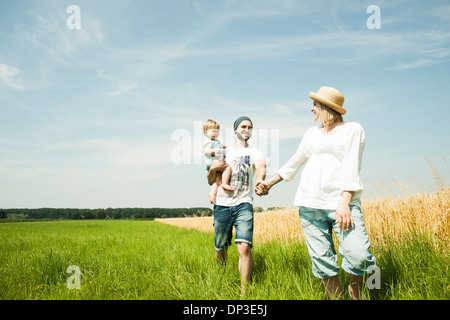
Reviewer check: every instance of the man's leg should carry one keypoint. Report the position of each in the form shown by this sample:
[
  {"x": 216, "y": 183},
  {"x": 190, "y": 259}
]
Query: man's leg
[
  {"x": 245, "y": 263},
  {"x": 221, "y": 256},
  {"x": 222, "y": 232},
  {"x": 243, "y": 223}
]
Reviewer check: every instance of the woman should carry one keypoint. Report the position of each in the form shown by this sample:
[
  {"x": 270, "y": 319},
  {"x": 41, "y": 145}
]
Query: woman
[{"x": 329, "y": 194}]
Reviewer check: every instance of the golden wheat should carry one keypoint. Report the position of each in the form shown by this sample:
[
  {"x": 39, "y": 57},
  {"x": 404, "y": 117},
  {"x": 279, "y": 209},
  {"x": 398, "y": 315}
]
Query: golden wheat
[
  {"x": 385, "y": 218},
  {"x": 279, "y": 225},
  {"x": 427, "y": 213}
]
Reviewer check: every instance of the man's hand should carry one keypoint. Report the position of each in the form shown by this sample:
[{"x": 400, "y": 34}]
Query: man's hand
[
  {"x": 260, "y": 173},
  {"x": 218, "y": 165},
  {"x": 262, "y": 188}
]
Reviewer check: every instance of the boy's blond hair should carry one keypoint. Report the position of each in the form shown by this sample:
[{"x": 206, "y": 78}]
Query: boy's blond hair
[
  {"x": 210, "y": 124},
  {"x": 328, "y": 115}
]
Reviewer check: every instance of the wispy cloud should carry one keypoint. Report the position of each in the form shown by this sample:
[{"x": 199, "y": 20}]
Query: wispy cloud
[
  {"x": 425, "y": 45},
  {"x": 54, "y": 42},
  {"x": 360, "y": 47},
  {"x": 9, "y": 77},
  {"x": 414, "y": 64}
]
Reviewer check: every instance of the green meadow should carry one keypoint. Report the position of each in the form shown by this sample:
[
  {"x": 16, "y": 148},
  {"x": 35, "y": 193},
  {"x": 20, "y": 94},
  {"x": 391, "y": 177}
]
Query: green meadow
[{"x": 145, "y": 259}]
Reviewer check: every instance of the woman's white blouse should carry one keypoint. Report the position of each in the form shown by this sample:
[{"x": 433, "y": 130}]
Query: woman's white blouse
[{"x": 333, "y": 163}]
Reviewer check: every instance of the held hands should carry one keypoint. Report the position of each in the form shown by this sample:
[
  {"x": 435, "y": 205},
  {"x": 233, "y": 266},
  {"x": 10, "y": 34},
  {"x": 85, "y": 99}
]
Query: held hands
[{"x": 262, "y": 188}]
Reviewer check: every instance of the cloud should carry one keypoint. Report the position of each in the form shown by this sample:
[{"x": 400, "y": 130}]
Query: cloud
[
  {"x": 358, "y": 46},
  {"x": 129, "y": 154},
  {"x": 414, "y": 64},
  {"x": 54, "y": 41},
  {"x": 131, "y": 88},
  {"x": 9, "y": 77},
  {"x": 93, "y": 172},
  {"x": 425, "y": 44}
]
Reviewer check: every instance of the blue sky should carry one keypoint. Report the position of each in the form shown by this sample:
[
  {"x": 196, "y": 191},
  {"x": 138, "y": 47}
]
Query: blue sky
[{"x": 89, "y": 117}]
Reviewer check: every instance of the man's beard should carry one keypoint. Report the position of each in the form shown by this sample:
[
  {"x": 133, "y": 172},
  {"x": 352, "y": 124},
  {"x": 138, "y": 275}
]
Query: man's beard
[{"x": 240, "y": 137}]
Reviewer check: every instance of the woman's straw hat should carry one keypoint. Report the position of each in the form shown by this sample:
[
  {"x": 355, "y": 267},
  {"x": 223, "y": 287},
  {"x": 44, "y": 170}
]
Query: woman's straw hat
[{"x": 330, "y": 97}]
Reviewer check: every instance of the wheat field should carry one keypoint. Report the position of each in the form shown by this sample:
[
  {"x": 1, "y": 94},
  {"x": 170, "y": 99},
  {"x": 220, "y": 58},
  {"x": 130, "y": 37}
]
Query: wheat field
[{"x": 385, "y": 218}]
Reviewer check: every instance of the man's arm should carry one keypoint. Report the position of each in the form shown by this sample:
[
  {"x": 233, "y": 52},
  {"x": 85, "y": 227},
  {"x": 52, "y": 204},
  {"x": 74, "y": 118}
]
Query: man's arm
[
  {"x": 260, "y": 170},
  {"x": 218, "y": 165}
]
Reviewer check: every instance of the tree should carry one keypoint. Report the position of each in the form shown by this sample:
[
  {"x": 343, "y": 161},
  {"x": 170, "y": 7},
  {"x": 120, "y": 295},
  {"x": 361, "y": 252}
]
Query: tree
[
  {"x": 100, "y": 214},
  {"x": 3, "y": 214},
  {"x": 76, "y": 215},
  {"x": 117, "y": 215},
  {"x": 149, "y": 215},
  {"x": 89, "y": 215},
  {"x": 109, "y": 212}
]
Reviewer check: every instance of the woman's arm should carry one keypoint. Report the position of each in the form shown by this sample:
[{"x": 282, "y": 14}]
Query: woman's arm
[
  {"x": 350, "y": 178},
  {"x": 351, "y": 164},
  {"x": 289, "y": 170},
  {"x": 298, "y": 159},
  {"x": 263, "y": 187}
]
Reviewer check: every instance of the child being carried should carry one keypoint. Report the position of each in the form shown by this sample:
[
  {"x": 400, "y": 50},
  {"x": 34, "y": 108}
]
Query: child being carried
[{"x": 213, "y": 148}]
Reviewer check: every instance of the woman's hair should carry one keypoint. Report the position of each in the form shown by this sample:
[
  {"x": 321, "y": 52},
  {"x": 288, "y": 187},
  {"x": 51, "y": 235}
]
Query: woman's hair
[
  {"x": 328, "y": 115},
  {"x": 210, "y": 124}
]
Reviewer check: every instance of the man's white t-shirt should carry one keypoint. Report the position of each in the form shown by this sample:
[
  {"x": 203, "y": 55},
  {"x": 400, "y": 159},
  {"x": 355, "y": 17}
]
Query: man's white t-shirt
[{"x": 243, "y": 165}]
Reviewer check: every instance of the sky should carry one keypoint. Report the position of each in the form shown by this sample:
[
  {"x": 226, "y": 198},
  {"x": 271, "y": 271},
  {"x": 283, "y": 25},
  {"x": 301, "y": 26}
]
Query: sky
[{"x": 103, "y": 107}]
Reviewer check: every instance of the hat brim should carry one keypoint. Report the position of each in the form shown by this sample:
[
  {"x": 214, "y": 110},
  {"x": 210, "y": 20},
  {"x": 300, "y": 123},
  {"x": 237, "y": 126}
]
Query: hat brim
[{"x": 328, "y": 103}]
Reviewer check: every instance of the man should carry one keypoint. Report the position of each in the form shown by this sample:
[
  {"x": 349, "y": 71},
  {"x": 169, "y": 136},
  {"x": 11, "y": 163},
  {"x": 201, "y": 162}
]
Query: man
[{"x": 235, "y": 207}]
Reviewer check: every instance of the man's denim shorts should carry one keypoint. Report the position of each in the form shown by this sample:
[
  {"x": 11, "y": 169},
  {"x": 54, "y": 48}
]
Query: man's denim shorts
[
  {"x": 354, "y": 245},
  {"x": 239, "y": 216}
]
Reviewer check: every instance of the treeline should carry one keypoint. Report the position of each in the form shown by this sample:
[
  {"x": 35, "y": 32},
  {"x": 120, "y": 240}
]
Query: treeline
[{"x": 109, "y": 213}]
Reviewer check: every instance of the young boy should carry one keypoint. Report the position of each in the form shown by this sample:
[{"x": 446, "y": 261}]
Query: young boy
[{"x": 213, "y": 148}]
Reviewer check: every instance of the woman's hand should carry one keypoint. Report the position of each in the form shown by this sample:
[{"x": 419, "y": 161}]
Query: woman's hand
[
  {"x": 262, "y": 188},
  {"x": 344, "y": 217}
]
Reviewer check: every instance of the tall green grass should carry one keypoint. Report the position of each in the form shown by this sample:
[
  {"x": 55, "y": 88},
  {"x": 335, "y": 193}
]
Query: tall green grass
[
  {"x": 415, "y": 267},
  {"x": 126, "y": 259}
]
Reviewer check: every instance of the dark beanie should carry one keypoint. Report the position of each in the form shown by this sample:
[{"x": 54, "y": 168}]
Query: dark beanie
[{"x": 239, "y": 120}]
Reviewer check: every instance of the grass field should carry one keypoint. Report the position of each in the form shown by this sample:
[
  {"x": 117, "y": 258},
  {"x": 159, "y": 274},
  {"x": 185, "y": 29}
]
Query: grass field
[{"x": 143, "y": 259}]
